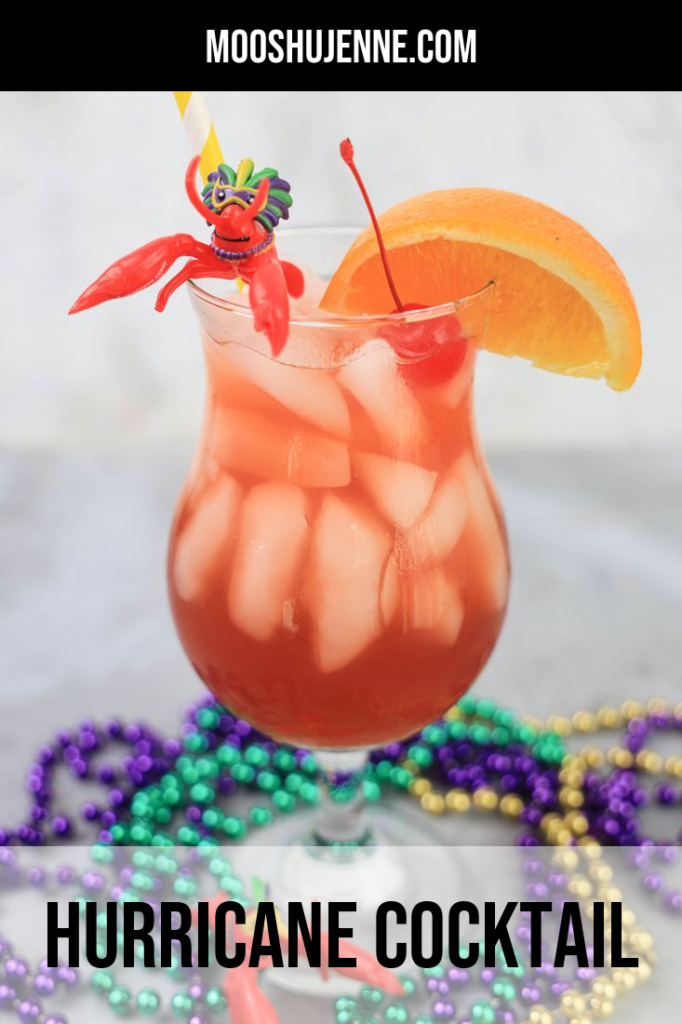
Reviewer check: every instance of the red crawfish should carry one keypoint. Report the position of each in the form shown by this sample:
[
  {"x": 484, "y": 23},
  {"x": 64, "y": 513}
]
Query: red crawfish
[
  {"x": 248, "y": 1004},
  {"x": 244, "y": 209}
]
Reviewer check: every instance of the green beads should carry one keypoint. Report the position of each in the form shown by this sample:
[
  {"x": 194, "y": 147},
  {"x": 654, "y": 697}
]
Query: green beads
[
  {"x": 148, "y": 1002},
  {"x": 260, "y": 816},
  {"x": 420, "y": 754},
  {"x": 395, "y": 1014},
  {"x": 504, "y": 989},
  {"x": 120, "y": 1000},
  {"x": 482, "y": 1012},
  {"x": 234, "y": 827},
  {"x": 185, "y": 886},
  {"x": 212, "y": 817},
  {"x": 215, "y": 1000},
  {"x": 202, "y": 793},
  {"x": 284, "y": 801},
  {"x": 182, "y": 1004},
  {"x": 345, "y": 1003},
  {"x": 268, "y": 781},
  {"x": 195, "y": 742},
  {"x": 208, "y": 718},
  {"x": 102, "y": 982},
  {"x": 370, "y": 994},
  {"x": 409, "y": 985},
  {"x": 502, "y": 728}
]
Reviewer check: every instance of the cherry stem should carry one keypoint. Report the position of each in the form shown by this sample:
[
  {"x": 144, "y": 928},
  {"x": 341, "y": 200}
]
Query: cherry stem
[{"x": 347, "y": 155}]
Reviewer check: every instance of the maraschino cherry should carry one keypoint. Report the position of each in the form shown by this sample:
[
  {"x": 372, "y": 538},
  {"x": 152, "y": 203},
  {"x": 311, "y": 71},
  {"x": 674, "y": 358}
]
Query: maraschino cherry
[{"x": 434, "y": 350}]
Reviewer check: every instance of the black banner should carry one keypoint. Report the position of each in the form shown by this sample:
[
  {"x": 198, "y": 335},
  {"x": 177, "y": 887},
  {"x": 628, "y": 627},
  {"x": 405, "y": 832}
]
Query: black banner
[{"x": 509, "y": 51}]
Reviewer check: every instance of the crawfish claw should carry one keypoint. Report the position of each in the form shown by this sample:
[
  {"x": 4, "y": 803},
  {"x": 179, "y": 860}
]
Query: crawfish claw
[
  {"x": 270, "y": 304},
  {"x": 139, "y": 269}
]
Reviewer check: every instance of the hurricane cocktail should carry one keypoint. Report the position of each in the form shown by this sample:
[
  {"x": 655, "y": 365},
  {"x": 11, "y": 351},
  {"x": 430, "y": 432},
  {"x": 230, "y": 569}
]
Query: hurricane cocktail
[{"x": 338, "y": 565}]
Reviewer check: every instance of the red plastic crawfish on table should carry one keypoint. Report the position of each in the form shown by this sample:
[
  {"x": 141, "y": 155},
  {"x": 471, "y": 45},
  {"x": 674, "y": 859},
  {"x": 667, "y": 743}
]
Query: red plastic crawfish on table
[
  {"x": 248, "y": 1004},
  {"x": 244, "y": 208}
]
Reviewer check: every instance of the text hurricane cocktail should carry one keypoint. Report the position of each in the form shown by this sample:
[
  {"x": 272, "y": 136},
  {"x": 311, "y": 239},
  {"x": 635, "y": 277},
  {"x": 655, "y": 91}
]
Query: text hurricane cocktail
[{"x": 338, "y": 565}]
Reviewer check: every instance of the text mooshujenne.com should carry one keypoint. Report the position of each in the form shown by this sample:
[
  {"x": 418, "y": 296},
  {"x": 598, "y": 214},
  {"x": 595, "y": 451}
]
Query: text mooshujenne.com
[{"x": 341, "y": 46}]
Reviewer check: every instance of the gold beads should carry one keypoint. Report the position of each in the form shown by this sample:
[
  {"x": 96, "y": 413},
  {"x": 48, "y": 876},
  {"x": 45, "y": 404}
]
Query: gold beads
[
  {"x": 454, "y": 714},
  {"x": 580, "y": 886},
  {"x": 603, "y": 988},
  {"x": 640, "y": 941},
  {"x": 601, "y": 873},
  {"x": 649, "y": 761},
  {"x": 573, "y": 1003},
  {"x": 585, "y": 721},
  {"x": 601, "y": 1007},
  {"x": 673, "y": 766},
  {"x": 485, "y": 798},
  {"x": 566, "y": 860},
  {"x": 571, "y": 798},
  {"x": 620, "y": 757},
  {"x": 593, "y": 757},
  {"x": 609, "y": 718},
  {"x": 577, "y": 854},
  {"x": 560, "y": 724},
  {"x": 633, "y": 709},
  {"x": 433, "y": 803},
  {"x": 457, "y": 800},
  {"x": 577, "y": 823},
  {"x": 570, "y": 777},
  {"x": 511, "y": 805},
  {"x": 539, "y": 1014},
  {"x": 419, "y": 787}
]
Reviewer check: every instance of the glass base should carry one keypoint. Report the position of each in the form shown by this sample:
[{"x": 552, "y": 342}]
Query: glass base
[{"x": 390, "y": 866}]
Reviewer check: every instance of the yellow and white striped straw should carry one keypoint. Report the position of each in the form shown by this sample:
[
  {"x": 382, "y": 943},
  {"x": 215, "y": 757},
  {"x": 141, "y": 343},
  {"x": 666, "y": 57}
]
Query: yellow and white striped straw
[{"x": 200, "y": 130}]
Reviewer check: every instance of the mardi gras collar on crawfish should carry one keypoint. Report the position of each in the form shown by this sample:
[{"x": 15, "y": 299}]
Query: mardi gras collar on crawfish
[{"x": 244, "y": 207}]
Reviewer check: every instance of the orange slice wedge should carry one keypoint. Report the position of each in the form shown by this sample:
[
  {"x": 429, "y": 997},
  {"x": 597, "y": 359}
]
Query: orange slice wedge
[{"x": 560, "y": 299}]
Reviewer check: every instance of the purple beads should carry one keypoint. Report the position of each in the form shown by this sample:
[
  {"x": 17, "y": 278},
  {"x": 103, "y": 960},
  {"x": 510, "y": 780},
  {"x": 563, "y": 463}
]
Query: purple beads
[
  {"x": 29, "y": 1011},
  {"x": 7, "y": 995}
]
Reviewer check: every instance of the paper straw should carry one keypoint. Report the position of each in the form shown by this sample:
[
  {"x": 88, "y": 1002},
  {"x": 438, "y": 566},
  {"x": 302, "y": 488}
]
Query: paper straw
[{"x": 200, "y": 130}]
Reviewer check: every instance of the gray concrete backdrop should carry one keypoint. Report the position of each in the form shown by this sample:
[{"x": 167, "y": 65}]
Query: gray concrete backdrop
[{"x": 86, "y": 177}]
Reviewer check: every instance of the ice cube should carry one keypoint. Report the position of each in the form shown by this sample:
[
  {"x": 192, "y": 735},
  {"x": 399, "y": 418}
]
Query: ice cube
[
  {"x": 484, "y": 532},
  {"x": 390, "y": 591},
  {"x": 452, "y": 392},
  {"x": 247, "y": 442},
  {"x": 314, "y": 288},
  {"x": 314, "y": 395},
  {"x": 400, "y": 490},
  {"x": 273, "y": 530},
  {"x": 432, "y": 603},
  {"x": 349, "y": 552},
  {"x": 374, "y": 379},
  {"x": 208, "y": 537},
  {"x": 435, "y": 534}
]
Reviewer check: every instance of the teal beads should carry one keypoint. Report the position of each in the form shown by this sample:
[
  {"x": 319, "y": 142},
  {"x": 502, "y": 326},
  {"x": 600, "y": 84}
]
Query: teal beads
[
  {"x": 148, "y": 1002},
  {"x": 504, "y": 989},
  {"x": 482, "y": 1012},
  {"x": 102, "y": 982},
  {"x": 121, "y": 1000},
  {"x": 409, "y": 985},
  {"x": 182, "y": 1004},
  {"x": 370, "y": 994},
  {"x": 215, "y": 1000}
]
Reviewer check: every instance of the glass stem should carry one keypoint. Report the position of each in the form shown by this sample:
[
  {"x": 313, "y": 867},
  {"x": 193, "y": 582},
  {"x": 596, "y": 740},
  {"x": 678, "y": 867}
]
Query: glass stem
[{"x": 341, "y": 818}]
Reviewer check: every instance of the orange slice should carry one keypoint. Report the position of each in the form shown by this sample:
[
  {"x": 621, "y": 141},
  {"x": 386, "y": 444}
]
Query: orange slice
[{"x": 560, "y": 298}]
